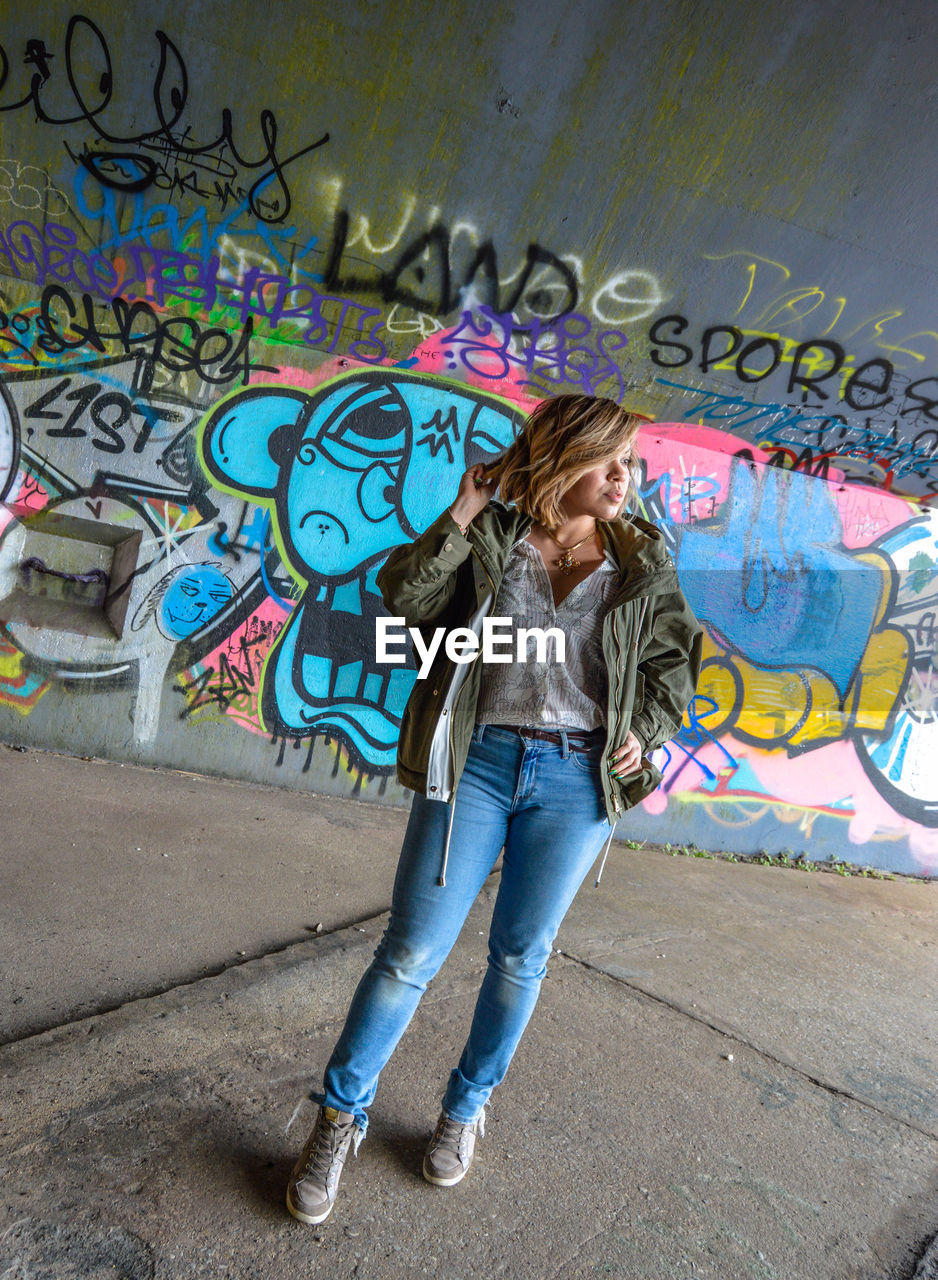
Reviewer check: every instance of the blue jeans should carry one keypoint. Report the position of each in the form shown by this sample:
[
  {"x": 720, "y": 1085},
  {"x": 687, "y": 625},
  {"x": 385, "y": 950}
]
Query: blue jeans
[{"x": 544, "y": 804}]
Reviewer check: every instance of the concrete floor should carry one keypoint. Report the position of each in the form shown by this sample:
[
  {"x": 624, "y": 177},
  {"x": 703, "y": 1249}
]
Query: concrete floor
[
  {"x": 732, "y": 1071},
  {"x": 120, "y": 881}
]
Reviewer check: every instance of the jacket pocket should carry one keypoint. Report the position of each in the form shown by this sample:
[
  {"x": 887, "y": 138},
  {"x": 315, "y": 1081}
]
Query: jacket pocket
[{"x": 638, "y": 698}]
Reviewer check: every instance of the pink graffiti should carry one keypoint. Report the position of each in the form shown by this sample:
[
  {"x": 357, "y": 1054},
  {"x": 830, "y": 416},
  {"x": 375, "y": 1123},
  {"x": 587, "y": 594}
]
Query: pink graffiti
[
  {"x": 27, "y": 496},
  {"x": 821, "y": 780},
  {"x": 693, "y": 464},
  {"x": 227, "y": 680}
]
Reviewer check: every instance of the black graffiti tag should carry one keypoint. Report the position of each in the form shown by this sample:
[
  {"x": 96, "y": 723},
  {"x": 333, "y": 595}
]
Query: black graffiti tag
[
  {"x": 132, "y": 170},
  {"x": 177, "y": 343},
  {"x": 425, "y": 277}
]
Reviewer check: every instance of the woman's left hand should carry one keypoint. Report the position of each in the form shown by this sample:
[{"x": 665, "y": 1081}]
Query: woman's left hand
[{"x": 625, "y": 759}]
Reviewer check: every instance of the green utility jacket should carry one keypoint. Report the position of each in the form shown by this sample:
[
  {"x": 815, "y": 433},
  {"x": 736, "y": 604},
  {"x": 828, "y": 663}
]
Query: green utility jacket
[{"x": 651, "y": 643}]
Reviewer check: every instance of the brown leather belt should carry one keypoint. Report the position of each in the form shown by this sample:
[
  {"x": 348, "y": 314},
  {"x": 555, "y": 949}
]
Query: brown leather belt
[{"x": 577, "y": 739}]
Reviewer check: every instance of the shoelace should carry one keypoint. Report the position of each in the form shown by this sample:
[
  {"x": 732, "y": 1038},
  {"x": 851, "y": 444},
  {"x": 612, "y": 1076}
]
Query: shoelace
[
  {"x": 449, "y": 1132},
  {"x": 329, "y": 1137}
]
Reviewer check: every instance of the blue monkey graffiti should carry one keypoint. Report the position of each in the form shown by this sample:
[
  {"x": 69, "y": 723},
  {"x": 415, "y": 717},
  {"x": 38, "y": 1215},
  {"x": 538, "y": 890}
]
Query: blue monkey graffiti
[{"x": 347, "y": 473}]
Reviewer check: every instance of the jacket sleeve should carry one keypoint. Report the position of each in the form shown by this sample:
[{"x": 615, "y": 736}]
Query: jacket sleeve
[
  {"x": 418, "y": 580},
  {"x": 669, "y": 663}
]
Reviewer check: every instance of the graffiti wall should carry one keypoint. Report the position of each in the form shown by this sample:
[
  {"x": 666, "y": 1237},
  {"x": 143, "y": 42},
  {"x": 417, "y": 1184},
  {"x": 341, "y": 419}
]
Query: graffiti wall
[{"x": 267, "y": 289}]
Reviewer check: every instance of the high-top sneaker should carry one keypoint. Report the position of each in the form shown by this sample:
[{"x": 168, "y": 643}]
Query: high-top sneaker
[
  {"x": 451, "y": 1148},
  {"x": 314, "y": 1181}
]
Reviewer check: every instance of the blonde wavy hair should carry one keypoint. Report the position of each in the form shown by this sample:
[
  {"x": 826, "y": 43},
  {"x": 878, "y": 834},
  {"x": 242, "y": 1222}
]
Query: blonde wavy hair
[{"x": 562, "y": 439}]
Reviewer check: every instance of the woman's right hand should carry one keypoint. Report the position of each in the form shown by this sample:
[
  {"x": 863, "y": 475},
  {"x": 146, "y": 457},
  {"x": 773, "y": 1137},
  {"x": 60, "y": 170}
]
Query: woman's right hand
[{"x": 474, "y": 494}]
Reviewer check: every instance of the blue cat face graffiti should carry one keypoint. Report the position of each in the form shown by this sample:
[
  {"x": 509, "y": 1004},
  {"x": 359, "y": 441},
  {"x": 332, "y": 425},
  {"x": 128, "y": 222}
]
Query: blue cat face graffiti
[
  {"x": 192, "y": 599},
  {"x": 348, "y": 472}
]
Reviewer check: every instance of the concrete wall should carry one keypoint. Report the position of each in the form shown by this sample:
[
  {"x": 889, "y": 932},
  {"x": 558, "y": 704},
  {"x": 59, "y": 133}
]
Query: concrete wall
[{"x": 270, "y": 281}]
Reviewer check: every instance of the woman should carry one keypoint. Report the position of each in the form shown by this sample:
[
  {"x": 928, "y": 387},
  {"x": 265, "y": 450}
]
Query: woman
[{"x": 537, "y": 757}]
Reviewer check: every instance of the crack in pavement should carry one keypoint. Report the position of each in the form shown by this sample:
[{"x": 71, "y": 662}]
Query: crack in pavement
[
  {"x": 833, "y": 1089},
  {"x": 359, "y": 925},
  {"x": 206, "y": 974}
]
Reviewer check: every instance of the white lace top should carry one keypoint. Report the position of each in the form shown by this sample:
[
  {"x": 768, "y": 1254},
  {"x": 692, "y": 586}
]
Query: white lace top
[{"x": 551, "y": 694}]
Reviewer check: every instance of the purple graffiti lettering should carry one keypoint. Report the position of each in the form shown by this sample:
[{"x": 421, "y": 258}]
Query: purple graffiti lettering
[
  {"x": 52, "y": 254},
  {"x": 164, "y": 277},
  {"x": 490, "y": 345}
]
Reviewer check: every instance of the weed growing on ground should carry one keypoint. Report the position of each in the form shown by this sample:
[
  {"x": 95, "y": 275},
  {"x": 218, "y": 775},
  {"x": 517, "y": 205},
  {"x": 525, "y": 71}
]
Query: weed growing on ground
[
  {"x": 691, "y": 851},
  {"x": 785, "y": 858}
]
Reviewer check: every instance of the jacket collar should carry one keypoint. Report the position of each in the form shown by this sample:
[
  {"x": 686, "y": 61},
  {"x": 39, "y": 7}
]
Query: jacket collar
[
  {"x": 637, "y": 546},
  {"x": 642, "y": 555},
  {"x": 494, "y": 537}
]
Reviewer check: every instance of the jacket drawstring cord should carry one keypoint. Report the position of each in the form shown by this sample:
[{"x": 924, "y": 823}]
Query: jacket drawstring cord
[
  {"x": 599, "y": 874},
  {"x": 441, "y": 879}
]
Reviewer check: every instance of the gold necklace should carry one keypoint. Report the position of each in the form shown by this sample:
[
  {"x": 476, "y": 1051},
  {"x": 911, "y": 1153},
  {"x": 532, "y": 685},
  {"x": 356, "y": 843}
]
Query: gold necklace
[{"x": 568, "y": 561}]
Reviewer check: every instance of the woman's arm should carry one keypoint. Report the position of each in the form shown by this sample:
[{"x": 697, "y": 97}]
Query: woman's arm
[{"x": 418, "y": 580}]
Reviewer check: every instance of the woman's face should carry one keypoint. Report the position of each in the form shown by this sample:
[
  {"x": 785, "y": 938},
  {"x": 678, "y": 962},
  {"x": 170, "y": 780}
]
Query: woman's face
[{"x": 602, "y": 491}]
